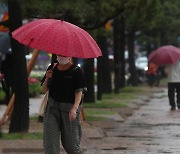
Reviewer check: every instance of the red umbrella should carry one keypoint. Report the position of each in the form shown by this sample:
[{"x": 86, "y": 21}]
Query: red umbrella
[
  {"x": 165, "y": 55},
  {"x": 57, "y": 37}
]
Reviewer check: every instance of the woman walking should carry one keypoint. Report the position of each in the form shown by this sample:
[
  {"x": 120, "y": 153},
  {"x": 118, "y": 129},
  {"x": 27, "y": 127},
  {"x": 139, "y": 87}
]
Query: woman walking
[{"x": 62, "y": 114}]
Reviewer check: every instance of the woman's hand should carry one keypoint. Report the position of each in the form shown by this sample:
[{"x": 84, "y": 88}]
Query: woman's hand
[
  {"x": 72, "y": 114},
  {"x": 49, "y": 74}
]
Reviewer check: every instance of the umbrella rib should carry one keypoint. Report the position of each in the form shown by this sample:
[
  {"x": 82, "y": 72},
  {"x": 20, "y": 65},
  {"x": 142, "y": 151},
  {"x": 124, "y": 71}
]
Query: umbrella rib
[
  {"x": 73, "y": 32},
  {"x": 87, "y": 40}
]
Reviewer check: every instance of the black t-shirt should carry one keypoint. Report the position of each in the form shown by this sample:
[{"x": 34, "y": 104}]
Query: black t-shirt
[{"x": 64, "y": 84}]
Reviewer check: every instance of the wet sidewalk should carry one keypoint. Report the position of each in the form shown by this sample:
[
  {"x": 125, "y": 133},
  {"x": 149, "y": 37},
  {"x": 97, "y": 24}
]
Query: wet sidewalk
[
  {"x": 153, "y": 129},
  {"x": 149, "y": 127}
]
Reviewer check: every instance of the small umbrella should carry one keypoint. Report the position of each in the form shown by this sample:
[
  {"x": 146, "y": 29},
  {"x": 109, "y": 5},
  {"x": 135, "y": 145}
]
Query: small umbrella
[
  {"x": 57, "y": 37},
  {"x": 5, "y": 46},
  {"x": 165, "y": 55}
]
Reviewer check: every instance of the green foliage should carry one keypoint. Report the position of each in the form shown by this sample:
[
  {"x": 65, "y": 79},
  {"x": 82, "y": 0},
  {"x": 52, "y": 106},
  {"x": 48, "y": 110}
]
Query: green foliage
[
  {"x": 84, "y": 13},
  {"x": 34, "y": 84},
  {"x": 35, "y": 89},
  {"x": 139, "y": 14},
  {"x": 36, "y": 8},
  {"x": 2, "y": 94},
  {"x": 38, "y": 75}
]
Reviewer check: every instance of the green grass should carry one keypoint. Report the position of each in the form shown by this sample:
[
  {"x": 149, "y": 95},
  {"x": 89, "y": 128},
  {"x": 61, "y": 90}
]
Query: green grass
[
  {"x": 112, "y": 101},
  {"x": 22, "y": 136},
  {"x": 94, "y": 118},
  {"x": 131, "y": 89},
  {"x": 34, "y": 118},
  {"x": 118, "y": 100},
  {"x": 106, "y": 104},
  {"x": 95, "y": 114},
  {"x": 99, "y": 112}
]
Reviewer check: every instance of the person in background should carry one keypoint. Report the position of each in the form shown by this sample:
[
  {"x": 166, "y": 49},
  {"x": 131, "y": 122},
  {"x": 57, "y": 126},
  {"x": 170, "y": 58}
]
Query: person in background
[
  {"x": 173, "y": 72},
  {"x": 62, "y": 114},
  {"x": 152, "y": 74}
]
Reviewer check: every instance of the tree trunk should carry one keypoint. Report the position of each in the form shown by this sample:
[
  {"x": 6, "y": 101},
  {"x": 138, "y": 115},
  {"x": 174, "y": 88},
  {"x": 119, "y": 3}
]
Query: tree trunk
[
  {"x": 116, "y": 39},
  {"x": 20, "y": 116},
  {"x": 88, "y": 66},
  {"x": 132, "y": 68},
  {"x": 122, "y": 50},
  {"x": 105, "y": 68}
]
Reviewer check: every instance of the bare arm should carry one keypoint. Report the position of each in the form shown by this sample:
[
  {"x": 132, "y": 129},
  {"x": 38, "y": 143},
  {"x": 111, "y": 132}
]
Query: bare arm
[
  {"x": 72, "y": 113},
  {"x": 44, "y": 85},
  {"x": 77, "y": 101}
]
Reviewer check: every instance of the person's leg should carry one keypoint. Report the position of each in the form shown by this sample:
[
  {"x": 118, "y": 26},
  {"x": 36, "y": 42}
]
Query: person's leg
[
  {"x": 178, "y": 94},
  {"x": 71, "y": 133},
  {"x": 171, "y": 91},
  {"x": 51, "y": 131}
]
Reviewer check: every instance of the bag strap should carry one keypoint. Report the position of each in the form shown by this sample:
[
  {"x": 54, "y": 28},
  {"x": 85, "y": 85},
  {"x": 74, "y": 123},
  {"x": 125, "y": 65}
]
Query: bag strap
[{"x": 54, "y": 65}]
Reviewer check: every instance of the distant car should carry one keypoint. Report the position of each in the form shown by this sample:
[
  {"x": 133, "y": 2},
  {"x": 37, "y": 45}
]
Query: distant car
[
  {"x": 141, "y": 68},
  {"x": 142, "y": 63}
]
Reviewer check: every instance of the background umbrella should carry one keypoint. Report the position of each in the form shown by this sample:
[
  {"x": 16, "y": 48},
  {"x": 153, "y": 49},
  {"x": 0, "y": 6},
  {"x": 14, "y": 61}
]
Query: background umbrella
[
  {"x": 165, "y": 55},
  {"x": 57, "y": 37}
]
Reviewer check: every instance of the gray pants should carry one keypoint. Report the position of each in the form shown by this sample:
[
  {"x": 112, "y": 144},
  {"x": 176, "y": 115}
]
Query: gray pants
[{"x": 57, "y": 124}]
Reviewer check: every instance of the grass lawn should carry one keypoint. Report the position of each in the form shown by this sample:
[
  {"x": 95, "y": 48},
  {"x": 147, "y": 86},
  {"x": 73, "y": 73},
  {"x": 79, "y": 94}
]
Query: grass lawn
[
  {"x": 110, "y": 102},
  {"x": 22, "y": 136},
  {"x": 93, "y": 111}
]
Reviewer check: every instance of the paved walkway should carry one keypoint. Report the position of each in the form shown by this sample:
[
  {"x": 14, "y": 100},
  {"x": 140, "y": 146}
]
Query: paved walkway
[{"x": 152, "y": 129}]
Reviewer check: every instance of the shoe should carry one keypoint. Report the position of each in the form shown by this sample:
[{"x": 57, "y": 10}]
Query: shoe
[{"x": 173, "y": 108}]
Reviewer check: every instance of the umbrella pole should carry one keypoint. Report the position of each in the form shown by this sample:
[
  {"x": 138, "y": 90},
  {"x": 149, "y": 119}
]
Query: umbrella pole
[{"x": 10, "y": 106}]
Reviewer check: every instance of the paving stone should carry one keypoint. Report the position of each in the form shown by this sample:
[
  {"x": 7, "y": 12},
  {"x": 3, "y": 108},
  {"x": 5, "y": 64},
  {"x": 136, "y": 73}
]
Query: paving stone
[
  {"x": 109, "y": 124},
  {"x": 115, "y": 117},
  {"x": 93, "y": 132}
]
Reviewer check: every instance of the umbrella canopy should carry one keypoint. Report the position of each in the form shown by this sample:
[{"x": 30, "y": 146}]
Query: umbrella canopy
[
  {"x": 165, "y": 55},
  {"x": 57, "y": 37},
  {"x": 5, "y": 46}
]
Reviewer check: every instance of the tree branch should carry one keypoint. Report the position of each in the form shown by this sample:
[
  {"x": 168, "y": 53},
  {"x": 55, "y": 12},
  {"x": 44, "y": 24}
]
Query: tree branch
[{"x": 102, "y": 23}]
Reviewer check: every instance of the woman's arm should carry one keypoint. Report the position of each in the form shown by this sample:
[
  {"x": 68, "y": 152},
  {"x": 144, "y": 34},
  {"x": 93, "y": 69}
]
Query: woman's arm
[
  {"x": 72, "y": 113},
  {"x": 44, "y": 85},
  {"x": 78, "y": 96}
]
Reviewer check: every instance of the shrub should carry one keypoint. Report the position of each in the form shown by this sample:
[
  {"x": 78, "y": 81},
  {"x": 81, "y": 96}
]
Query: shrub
[
  {"x": 34, "y": 87},
  {"x": 2, "y": 95}
]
